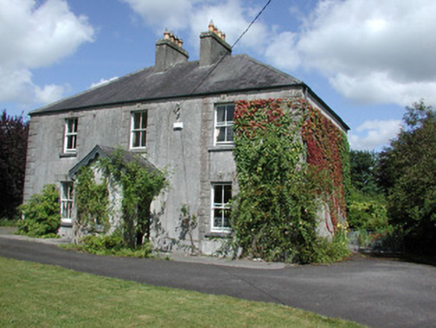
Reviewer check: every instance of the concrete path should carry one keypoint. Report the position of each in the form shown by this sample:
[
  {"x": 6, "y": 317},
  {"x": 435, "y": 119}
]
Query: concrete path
[{"x": 378, "y": 293}]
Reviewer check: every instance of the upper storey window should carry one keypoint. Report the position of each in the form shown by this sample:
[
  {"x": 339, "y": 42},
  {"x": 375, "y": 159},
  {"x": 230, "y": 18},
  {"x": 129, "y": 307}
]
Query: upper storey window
[
  {"x": 70, "y": 138},
  {"x": 224, "y": 124},
  {"x": 138, "y": 130}
]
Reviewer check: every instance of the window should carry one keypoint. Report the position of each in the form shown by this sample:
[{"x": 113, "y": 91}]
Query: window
[
  {"x": 221, "y": 194},
  {"x": 70, "y": 141},
  {"x": 224, "y": 124},
  {"x": 66, "y": 201},
  {"x": 139, "y": 130}
]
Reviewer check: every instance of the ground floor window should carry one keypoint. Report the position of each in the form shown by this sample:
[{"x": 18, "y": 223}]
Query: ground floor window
[
  {"x": 221, "y": 195},
  {"x": 66, "y": 201}
]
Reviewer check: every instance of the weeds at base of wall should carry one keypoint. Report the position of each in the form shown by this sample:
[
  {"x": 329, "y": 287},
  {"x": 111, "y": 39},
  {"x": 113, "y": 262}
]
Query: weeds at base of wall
[{"x": 110, "y": 245}]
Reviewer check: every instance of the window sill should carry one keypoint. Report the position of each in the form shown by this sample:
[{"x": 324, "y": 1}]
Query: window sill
[
  {"x": 66, "y": 155},
  {"x": 216, "y": 148},
  {"x": 138, "y": 150},
  {"x": 66, "y": 222},
  {"x": 223, "y": 234}
]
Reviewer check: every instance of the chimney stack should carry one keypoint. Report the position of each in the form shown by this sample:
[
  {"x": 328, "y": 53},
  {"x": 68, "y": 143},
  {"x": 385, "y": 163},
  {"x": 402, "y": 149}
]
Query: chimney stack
[
  {"x": 213, "y": 45},
  {"x": 169, "y": 51}
]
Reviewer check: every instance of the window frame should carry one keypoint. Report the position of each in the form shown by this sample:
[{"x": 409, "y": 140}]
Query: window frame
[
  {"x": 67, "y": 201},
  {"x": 141, "y": 130},
  {"x": 220, "y": 206},
  {"x": 226, "y": 124},
  {"x": 71, "y": 135}
]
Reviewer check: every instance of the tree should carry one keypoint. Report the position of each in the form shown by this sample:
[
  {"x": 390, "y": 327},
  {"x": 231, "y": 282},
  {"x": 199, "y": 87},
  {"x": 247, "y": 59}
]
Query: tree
[
  {"x": 362, "y": 169},
  {"x": 408, "y": 175},
  {"x": 13, "y": 148}
]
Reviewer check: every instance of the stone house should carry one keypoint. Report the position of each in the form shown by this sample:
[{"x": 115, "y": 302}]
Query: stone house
[{"x": 179, "y": 114}]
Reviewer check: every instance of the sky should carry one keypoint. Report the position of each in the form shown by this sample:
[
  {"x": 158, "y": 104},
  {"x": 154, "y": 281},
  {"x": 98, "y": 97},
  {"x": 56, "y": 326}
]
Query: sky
[{"x": 367, "y": 59}]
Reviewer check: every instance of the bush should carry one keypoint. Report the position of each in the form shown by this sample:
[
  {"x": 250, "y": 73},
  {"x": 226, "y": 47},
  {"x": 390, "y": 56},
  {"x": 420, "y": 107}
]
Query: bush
[
  {"x": 327, "y": 251},
  {"x": 112, "y": 245},
  {"x": 41, "y": 215},
  {"x": 367, "y": 212}
]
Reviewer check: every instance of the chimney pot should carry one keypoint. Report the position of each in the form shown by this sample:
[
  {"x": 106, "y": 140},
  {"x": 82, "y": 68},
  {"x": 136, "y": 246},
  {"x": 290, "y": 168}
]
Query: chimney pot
[{"x": 211, "y": 26}]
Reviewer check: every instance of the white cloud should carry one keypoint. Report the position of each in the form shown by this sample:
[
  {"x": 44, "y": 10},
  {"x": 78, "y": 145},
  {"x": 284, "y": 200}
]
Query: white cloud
[
  {"x": 285, "y": 57},
  {"x": 372, "y": 51},
  {"x": 49, "y": 93},
  {"x": 103, "y": 81},
  {"x": 374, "y": 134},
  {"x": 171, "y": 14},
  {"x": 34, "y": 35},
  {"x": 230, "y": 16}
]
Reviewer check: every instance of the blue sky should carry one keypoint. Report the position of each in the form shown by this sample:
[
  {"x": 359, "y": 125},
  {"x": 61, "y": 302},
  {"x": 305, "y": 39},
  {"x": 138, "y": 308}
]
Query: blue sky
[{"x": 367, "y": 59}]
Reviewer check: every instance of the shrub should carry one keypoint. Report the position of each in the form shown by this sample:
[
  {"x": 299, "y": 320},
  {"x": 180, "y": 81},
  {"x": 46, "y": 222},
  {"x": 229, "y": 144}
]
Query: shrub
[
  {"x": 112, "y": 245},
  {"x": 41, "y": 215}
]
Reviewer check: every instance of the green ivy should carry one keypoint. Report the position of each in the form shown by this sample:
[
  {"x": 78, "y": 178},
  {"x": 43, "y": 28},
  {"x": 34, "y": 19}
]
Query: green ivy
[
  {"x": 274, "y": 214},
  {"x": 92, "y": 203},
  {"x": 140, "y": 186},
  {"x": 41, "y": 214}
]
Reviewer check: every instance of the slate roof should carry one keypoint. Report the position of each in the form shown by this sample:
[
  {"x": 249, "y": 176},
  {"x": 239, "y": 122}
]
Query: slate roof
[
  {"x": 234, "y": 73},
  {"x": 100, "y": 151}
]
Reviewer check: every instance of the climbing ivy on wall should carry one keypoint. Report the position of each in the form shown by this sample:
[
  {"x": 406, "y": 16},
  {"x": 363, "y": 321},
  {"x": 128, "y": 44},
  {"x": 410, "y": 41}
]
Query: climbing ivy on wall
[
  {"x": 92, "y": 204},
  {"x": 139, "y": 187},
  {"x": 274, "y": 213},
  {"x": 328, "y": 154}
]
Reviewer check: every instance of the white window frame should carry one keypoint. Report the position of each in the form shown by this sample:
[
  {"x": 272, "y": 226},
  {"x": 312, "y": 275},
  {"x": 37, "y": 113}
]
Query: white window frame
[
  {"x": 70, "y": 134},
  {"x": 141, "y": 130},
  {"x": 220, "y": 206},
  {"x": 67, "y": 201},
  {"x": 223, "y": 125}
]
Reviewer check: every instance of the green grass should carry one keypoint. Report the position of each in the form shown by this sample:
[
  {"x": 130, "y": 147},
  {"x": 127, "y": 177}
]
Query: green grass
[{"x": 36, "y": 295}]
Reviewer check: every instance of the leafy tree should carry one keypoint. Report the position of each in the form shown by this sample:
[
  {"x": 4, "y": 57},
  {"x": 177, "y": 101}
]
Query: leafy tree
[
  {"x": 13, "y": 147},
  {"x": 408, "y": 175},
  {"x": 363, "y": 165},
  {"x": 367, "y": 209}
]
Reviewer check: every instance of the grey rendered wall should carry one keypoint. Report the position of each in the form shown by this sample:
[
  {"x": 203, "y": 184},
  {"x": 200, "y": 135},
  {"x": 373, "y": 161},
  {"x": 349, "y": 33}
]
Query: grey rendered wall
[{"x": 189, "y": 155}]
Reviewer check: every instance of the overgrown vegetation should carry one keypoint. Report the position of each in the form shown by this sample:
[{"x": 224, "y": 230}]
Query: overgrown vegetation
[
  {"x": 13, "y": 149},
  {"x": 139, "y": 185},
  {"x": 37, "y": 295},
  {"x": 92, "y": 204},
  {"x": 407, "y": 173},
  {"x": 274, "y": 214},
  {"x": 41, "y": 214},
  {"x": 110, "y": 245},
  {"x": 367, "y": 209}
]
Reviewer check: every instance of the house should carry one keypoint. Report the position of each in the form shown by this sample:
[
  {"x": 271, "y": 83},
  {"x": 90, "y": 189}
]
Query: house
[{"x": 179, "y": 115}]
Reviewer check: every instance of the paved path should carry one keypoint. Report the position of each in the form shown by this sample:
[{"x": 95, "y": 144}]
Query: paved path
[{"x": 378, "y": 293}]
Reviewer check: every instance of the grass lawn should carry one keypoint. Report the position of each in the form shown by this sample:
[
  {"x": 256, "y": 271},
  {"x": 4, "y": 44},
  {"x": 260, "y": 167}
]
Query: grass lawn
[{"x": 39, "y": 295}]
